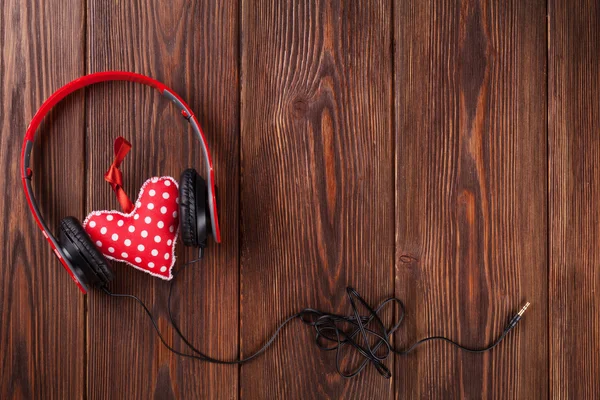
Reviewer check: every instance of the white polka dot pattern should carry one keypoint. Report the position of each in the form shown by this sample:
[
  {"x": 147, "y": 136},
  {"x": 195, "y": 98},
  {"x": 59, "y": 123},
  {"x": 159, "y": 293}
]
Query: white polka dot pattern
[{"x": 141, "y": 238}]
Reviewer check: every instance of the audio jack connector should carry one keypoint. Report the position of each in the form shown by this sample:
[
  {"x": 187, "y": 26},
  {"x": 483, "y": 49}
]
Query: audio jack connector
[{"x": 517, "y": 317}]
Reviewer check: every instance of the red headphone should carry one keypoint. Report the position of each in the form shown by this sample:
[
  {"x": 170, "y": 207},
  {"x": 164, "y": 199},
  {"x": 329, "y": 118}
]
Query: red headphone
[
  {"x": 74, "y": 248},
  {"x": 198, "y": 216}
]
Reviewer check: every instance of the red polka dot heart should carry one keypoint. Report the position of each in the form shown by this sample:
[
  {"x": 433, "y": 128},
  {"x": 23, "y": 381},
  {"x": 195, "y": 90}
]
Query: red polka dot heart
[{"x": 144, "y": 238}]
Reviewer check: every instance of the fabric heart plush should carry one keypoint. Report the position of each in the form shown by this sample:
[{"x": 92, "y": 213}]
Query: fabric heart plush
[{"x": 144, "y": 238}]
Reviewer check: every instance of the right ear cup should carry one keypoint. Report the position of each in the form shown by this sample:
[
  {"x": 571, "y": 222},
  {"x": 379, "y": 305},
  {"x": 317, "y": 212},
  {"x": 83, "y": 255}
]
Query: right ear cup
[
  {"x": 77, "y": 245},
  {"x": 193, "y": 209}
]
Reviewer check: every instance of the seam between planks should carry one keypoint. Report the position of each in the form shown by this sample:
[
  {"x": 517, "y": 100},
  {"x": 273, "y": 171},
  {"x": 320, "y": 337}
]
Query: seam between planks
[
  {"x": 394, "y": 171},
  {"x": 548, "y": 206},
  {"x": 85, "y": 196},
  {"x": 240, "y": 4}
]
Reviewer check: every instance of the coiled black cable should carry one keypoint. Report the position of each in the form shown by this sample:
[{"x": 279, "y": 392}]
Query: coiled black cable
[{"x": 332, "y": 332}]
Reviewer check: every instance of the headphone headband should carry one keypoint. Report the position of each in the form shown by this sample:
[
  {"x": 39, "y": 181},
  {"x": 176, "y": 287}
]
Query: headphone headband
[{"x": 73, "y": 86}]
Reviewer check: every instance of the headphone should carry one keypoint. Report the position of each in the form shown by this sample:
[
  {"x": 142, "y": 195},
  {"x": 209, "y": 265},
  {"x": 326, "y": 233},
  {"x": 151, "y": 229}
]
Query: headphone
[
  {"x": 86, "y": 265},
  {"x": 198, "y": 219}
]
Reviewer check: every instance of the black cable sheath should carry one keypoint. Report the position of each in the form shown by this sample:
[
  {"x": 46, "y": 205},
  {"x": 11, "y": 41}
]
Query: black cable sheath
[{"x": 332, "y": 332}]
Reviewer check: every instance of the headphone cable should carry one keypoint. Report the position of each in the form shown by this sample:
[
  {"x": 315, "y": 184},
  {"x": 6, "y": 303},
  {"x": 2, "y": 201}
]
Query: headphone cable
[{"x": 332, "y": 332}]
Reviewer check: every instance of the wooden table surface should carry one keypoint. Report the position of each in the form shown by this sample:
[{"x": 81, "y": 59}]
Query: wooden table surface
[{"x": 447, "y": 153}]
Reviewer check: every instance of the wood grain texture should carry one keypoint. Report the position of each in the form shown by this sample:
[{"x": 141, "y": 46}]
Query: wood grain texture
[
  {"x": 446, "y": 152},
  {"x": 574, "y": 133},
  {"x": 471, "y": 195},
  {"x": 316, "y": 194},
  {"x": 192, "y": 47},
  {"x": 39, "y": 358}
]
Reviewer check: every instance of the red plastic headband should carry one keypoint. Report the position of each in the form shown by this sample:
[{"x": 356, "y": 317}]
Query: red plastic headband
[{"x": 75, "y": 85}]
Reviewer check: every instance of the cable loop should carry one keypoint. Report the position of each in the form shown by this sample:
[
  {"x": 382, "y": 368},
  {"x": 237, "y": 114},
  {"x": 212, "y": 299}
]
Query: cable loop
[{"x": 366, "y": 334}]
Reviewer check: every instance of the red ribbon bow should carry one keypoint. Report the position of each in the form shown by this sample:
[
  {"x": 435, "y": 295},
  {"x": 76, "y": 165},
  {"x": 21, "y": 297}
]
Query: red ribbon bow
[{"x": 114, "y": 176}]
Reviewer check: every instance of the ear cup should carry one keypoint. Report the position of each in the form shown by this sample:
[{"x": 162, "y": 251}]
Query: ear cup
[
  {"x": 79, "y": 247},
  {"x": 194, "y": 220}
]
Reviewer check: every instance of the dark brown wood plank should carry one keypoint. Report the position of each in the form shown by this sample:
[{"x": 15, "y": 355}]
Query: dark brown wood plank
[
  {"x": 574, "y": 128},
  {"x": 191, "y": 47},
  {"x": 471, "y": 195},
  {"x": 41, "y": 49},
  {"x": 317, "y": 200}
]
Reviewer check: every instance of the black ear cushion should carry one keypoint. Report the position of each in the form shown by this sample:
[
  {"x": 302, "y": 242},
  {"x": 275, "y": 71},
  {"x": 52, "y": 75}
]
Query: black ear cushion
[
  {"x": 187, "y": 207},
  {"x": 74, "y": 230}
]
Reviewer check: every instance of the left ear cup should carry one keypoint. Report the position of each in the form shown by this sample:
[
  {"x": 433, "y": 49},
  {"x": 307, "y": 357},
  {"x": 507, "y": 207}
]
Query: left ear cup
[
  {"x": 78, "y": 246},
  {"x": 194, "y": 220}
]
